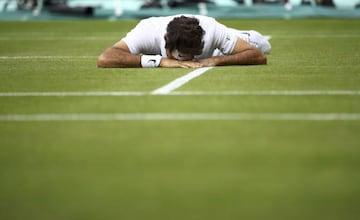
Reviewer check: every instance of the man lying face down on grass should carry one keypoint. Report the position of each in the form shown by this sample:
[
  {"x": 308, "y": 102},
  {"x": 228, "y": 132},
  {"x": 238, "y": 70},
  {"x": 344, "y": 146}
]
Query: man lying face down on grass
[{"x": 188, "y": 41}]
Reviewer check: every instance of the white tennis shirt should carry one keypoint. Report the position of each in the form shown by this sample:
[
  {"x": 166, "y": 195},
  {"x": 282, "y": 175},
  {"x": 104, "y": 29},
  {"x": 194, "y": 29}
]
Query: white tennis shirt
[{"x": 148, "y": 37}]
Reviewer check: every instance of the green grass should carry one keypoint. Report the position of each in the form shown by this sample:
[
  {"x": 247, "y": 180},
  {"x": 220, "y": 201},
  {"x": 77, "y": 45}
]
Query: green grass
[{"x": 179, "y": 169}]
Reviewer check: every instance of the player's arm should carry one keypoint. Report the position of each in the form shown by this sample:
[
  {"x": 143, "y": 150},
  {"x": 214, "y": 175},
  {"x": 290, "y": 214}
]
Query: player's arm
[
  {"x": 118, "y": 56},
  {"x": 243, "y": 54}
]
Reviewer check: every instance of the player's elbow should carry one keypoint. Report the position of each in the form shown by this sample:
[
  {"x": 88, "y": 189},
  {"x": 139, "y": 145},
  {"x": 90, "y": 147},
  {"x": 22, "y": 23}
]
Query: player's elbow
[
  {"x": 262, "y": 59},
  {"x": 101, "y": 62},
  {"x": 255, "y": 57}
]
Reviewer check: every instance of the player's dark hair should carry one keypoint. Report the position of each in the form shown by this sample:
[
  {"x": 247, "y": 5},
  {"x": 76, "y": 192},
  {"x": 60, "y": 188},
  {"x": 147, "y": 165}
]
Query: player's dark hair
[{"x": 185, "y": 34}]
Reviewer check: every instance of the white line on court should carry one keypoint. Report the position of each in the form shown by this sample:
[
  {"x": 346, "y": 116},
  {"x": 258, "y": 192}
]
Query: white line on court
[
  {"x": 267, "y": 93},
  {"x": 79, "y": 94},
  {"x": 55, "y": 38},
  {"x": 188, "y": 93},
  {"x": 355, "y": 35},
  {"x": 57, "y": 34},
  {"x": 45, "y": 57},
  {"x": 185, "y": 117},
  {"x": 180, "y": 81}
]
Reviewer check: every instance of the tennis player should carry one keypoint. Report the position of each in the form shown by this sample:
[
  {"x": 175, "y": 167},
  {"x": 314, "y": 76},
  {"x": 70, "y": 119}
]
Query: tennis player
[{"x": 188, "y": 41}]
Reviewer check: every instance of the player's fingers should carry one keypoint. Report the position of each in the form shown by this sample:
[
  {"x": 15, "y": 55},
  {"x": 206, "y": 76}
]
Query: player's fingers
[{"x": 191, "y": 64}]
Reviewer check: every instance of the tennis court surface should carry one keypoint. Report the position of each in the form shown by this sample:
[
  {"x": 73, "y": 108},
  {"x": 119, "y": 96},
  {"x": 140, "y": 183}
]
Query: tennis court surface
[{"x": 279, "y": 141}]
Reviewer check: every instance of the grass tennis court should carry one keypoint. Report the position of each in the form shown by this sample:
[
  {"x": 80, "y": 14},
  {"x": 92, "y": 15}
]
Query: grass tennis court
[{"x": 279, "y": 141}]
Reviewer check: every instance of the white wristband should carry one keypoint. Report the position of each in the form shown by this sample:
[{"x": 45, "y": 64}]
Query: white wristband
[{"x": 150, "y": 60}]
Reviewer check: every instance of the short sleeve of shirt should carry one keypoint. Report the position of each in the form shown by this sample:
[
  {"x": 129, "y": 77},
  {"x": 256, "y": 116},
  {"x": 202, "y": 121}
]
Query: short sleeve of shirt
[
  {"x": 225, "y": 39},
  {"x": 143, "y": 38}
]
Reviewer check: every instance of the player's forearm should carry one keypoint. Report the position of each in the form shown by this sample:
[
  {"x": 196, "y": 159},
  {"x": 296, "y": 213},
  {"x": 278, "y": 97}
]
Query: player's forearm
[
  {"x": 116, "y": 58},
  {"x": 247, "y": 57}
]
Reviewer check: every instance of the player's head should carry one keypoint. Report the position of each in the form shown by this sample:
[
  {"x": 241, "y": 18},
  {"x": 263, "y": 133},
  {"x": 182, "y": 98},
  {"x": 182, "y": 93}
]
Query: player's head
[{"x": 184, "y": 38}]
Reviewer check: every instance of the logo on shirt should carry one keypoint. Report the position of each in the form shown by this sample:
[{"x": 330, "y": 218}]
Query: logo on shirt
[{"x": 228, "y": 37}]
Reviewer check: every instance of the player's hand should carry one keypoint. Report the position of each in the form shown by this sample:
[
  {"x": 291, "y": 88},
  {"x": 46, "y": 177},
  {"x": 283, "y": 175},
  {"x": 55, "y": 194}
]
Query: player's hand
[
  {"x": 190, "y": 64},
  {"x": 165, "y": 62}
]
